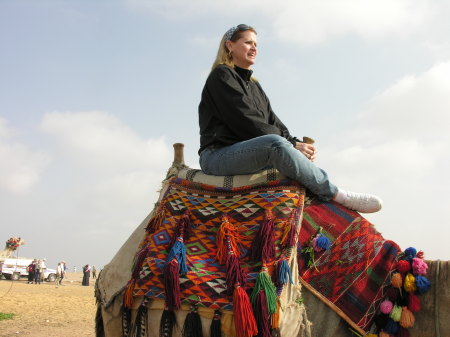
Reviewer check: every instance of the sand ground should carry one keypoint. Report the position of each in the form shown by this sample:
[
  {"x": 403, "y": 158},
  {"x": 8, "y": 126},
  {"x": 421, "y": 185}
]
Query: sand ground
[{"x": 48, "y": 311}]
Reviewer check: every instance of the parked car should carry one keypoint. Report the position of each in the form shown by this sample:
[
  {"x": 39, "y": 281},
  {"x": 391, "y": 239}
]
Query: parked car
[{"x": 14, "y": 269}]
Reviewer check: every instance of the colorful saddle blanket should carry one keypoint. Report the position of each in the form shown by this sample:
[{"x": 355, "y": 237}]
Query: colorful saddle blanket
[
  {"x": 352, "y": 275},
  {"x": 205, "y": 206}
]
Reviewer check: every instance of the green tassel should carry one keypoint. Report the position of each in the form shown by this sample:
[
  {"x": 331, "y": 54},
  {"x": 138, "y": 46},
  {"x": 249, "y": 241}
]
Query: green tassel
[{"x": 263, "y": 282}]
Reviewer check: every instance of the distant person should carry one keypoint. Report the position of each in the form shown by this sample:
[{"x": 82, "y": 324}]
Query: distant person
[
  {"x": 94, "y": 272},
  {"x": 31, "y": 272},
  {"x": 60, "y": 272},
  {"x": 86, "y": 275},
  {"x": 37, "y": 272},
  {"x": 74, "y": 269},
  {"x": 43, "y": 268}
]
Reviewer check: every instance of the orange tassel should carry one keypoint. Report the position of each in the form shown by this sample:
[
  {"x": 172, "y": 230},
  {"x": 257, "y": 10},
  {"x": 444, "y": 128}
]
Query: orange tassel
[
  {"x": 276, "y": 317},
  {"x": 157, "y": 219},
  {"x": 287, "y": 229},
  {"x": 227, "y": 235},
  {"x": 128, "y": 295},
  {"x": 244, "y": 319},
  {"x": 396, "y": 280},
  {"x": 407, "y": 319}
]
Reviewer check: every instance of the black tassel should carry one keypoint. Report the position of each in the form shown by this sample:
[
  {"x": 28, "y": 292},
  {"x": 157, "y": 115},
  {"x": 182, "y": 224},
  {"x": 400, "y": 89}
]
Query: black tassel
[
  {"x": 126, "y": 321},
  {"x": 276, "y": 332},
  {"x": 192, "y": 324},
  {"x": 141, "y": 319},
  {"x": 216, "y": 329},
  {"x": 99, "y": 328},
  {"x": 168, "y": 321}
]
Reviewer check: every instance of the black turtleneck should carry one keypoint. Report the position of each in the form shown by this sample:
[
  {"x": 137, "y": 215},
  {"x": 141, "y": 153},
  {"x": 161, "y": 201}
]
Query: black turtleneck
[{"x": 234, "y": 108}]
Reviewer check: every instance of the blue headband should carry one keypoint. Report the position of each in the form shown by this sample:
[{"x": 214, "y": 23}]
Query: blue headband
[{"x": 230, "y": 32}]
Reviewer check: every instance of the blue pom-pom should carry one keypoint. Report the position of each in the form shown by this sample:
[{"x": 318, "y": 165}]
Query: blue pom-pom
[
  {"x": 391, "y": 327},
  {"x": 410, "y": 252},
  {"x": 323, "y": 242},
  {"x": 422, "y": 283}
]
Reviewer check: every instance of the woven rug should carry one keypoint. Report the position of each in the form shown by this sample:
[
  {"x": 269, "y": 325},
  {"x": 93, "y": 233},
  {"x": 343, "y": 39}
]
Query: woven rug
[
  {"x": 245, "y": 208},
  {"x": 352, "y": 275}
]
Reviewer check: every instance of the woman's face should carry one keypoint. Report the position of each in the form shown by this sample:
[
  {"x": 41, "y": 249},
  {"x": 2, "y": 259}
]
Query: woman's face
[{"x": 244, "y": 50}]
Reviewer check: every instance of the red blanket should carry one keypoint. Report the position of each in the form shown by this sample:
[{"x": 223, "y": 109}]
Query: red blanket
[{"x": 351, "y": 277}]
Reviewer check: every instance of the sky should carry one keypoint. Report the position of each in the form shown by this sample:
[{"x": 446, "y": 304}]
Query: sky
[{"x": 93, "y": 94}]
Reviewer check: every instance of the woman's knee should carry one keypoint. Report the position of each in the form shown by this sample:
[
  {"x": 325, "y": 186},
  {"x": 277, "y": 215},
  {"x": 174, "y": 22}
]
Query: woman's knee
[
  {"x": 280, "y": 143},
  {"x": 276, "y": 141}
]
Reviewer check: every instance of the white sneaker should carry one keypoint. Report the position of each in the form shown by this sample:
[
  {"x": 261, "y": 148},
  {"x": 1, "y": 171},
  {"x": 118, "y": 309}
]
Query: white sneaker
[{"x": 361, "y": 202}]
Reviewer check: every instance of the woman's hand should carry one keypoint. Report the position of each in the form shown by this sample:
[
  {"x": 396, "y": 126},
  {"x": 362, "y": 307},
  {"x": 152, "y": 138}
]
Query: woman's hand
[{"x": 308, "y": 150}]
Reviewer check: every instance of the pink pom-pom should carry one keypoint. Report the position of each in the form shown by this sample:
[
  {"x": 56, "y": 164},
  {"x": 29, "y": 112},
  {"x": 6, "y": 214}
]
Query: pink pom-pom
[
  {"x": 403, "y": 266},
  {"x": 314, "y": 244},
  {"x": 419, "y": 266},
  {"x": 386, "y": 306}
]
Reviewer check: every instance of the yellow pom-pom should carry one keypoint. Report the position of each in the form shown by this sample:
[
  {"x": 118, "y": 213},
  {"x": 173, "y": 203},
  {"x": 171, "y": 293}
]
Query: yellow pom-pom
[
  {"x": 396, "y": 313},
  {"x": 371, "y": 335},
  {"x": 396, "y": 280},
  {"x": 407, "y": 318},
  {"x": 410, "y": 283}
]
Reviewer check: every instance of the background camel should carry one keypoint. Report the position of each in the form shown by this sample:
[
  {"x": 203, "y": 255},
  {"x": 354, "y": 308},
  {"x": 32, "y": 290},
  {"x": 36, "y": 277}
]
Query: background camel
[{"x": 8, "y": 251}]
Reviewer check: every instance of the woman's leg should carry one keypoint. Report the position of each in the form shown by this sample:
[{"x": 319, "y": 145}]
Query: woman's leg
[{"x": 259, "y": 153}]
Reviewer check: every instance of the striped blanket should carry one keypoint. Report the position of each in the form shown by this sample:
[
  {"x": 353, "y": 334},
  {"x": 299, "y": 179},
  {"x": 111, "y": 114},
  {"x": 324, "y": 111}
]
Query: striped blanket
[{"x": 351, "y": 277}]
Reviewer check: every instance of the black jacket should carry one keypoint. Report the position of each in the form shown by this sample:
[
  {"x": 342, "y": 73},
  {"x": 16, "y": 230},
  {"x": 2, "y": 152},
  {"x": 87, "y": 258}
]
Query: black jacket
[{"x": 234, "y": 108}]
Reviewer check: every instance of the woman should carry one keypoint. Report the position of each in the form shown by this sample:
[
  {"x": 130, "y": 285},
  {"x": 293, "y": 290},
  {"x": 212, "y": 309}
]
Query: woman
[
  {"x": 86, "y": 275},
  {"x": 240, "y": 133}
]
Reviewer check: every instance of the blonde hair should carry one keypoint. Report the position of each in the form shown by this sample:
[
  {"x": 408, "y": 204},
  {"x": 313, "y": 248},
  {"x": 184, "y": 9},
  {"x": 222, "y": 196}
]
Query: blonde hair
[{"x": 223, "y": 54}]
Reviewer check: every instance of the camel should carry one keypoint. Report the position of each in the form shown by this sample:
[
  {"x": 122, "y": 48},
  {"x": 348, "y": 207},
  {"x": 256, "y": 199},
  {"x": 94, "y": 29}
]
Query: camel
[
  {"x": 8, "y": 251},
  {"x": 310, "y": 317}
]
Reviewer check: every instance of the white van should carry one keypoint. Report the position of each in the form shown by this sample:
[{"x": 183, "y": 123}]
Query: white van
[{"x": 14, "y": 269}]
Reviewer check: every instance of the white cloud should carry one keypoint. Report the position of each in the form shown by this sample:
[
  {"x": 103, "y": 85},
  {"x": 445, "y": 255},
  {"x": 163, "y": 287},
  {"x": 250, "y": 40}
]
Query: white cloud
[
  {"x": 5, "y": 131},
  {"x": 111, "y": 172},
  {"x": 101, "y": 141},
  {"x": 415, "y": 107},
  {"x": 310, "y": 22},
  {"x": 20, "y": 166}
]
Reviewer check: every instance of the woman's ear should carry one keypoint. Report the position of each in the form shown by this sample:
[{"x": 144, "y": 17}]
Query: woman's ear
[{"x": 229, "y": 45}]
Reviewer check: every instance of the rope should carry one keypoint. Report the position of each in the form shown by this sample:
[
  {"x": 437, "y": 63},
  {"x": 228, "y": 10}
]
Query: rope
[
  {"x": 436, "y": 300},
  {"x": 12, "y": 281},
  {"x": 10, "y": 287}
]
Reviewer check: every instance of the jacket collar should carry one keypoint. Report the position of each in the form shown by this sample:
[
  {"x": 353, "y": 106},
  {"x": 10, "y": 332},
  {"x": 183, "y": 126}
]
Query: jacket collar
[{"x": 245, "y": 74}]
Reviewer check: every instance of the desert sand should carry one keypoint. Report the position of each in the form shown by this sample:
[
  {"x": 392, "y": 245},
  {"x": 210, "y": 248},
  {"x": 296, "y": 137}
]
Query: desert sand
[{"x": 46, "y": 310}]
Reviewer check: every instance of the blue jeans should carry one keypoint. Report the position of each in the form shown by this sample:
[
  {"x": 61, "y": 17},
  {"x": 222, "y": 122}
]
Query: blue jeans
[{"x": 264, "y": 152}]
